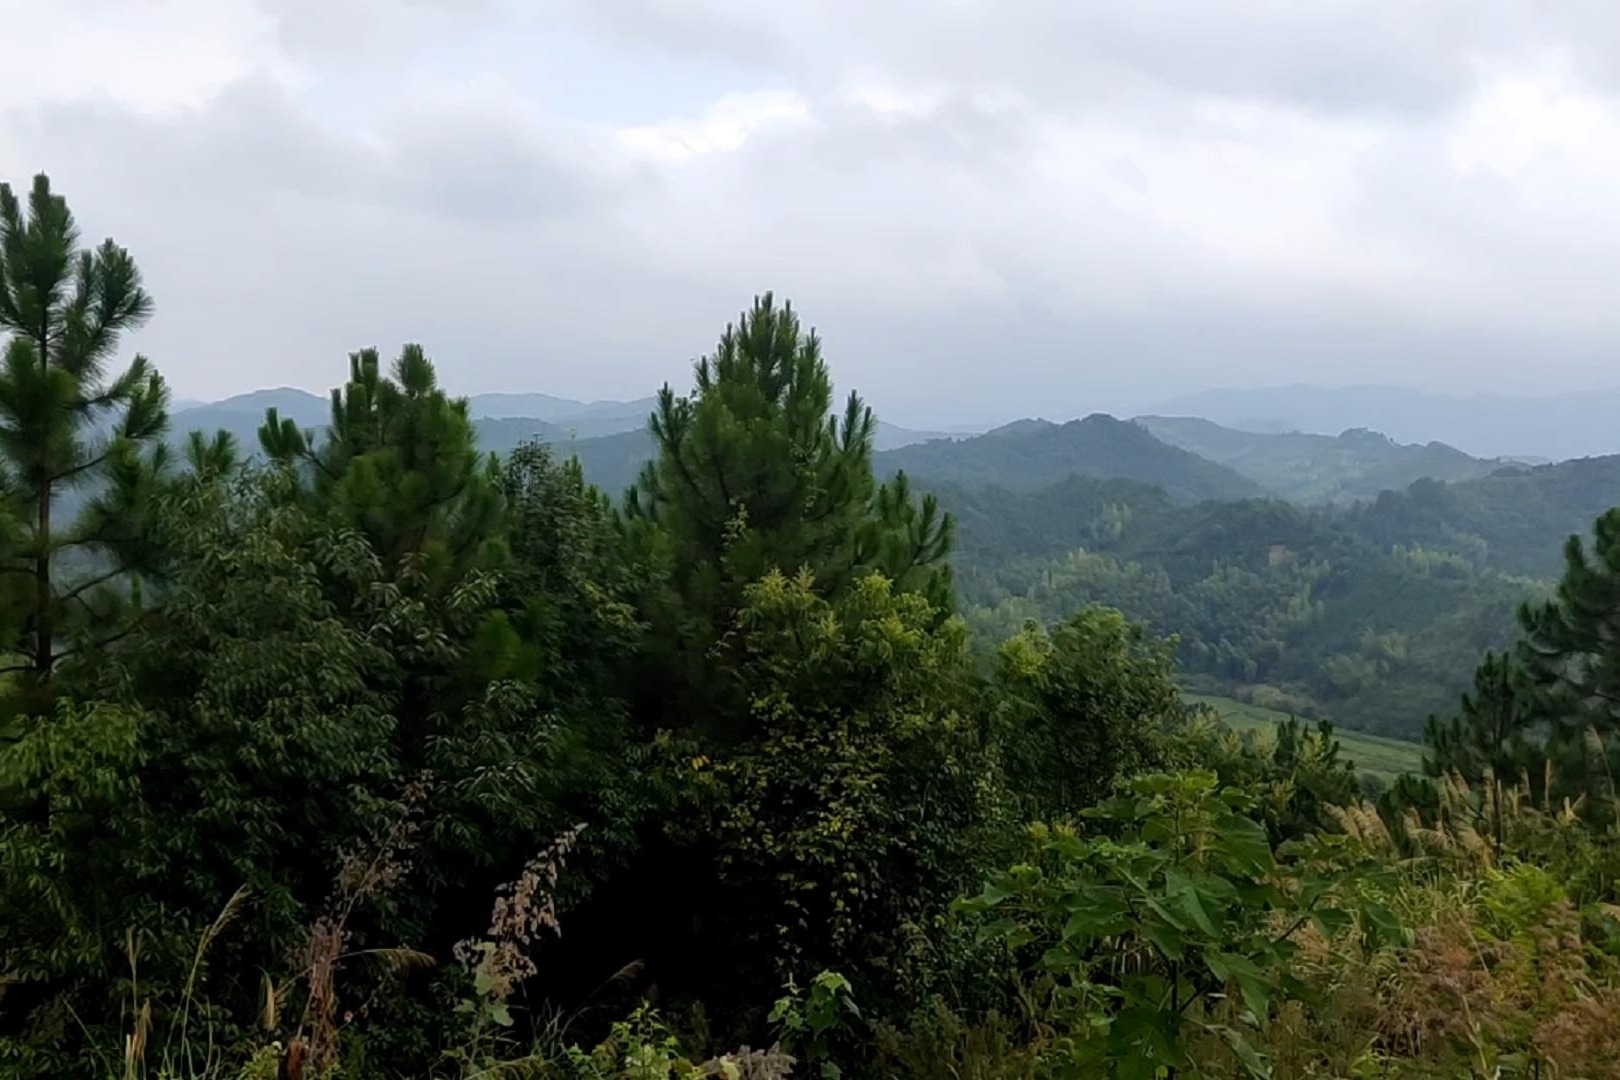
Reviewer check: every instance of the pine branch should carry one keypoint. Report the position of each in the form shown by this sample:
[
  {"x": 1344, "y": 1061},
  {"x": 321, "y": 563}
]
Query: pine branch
[
  {"x": 78, "y": 592},
  {"x": 86, "y": 466},
  {"x": 103, "y": 642},
  {"x": 115, "y": 391}
]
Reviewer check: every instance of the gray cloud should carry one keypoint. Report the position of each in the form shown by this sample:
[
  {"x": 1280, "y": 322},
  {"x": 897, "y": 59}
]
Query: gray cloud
[
  {"x": 346, "y": 31},
  {"x": 477, "y": 168},
  {"x": 989, "y": 208},
  {"x": 1369, "y": 55}
]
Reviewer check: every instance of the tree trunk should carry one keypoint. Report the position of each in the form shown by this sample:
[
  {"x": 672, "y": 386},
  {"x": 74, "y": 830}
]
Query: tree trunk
[
  {"x": 44, "y": 624},
  {"x": 44, "y": 620}
]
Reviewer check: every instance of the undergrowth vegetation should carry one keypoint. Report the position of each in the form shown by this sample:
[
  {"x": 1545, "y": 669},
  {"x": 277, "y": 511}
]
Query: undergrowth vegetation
[{"x": 365, "y": 754}]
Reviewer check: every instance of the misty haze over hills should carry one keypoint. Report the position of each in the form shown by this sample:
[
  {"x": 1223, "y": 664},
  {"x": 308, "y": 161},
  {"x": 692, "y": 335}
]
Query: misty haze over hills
[
  {"x": 1353, "y": 466},
  {"x": 1554, "y": 427},
  {"x": 504, "y": 420},
  {"x": 1269, "y": 452},
  {"x": 1484, "y": 426}
]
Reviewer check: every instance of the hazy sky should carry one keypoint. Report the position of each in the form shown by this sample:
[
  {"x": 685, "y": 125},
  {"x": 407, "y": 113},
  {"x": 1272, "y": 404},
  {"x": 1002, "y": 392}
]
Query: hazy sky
[{"x": 988, "y": 207}]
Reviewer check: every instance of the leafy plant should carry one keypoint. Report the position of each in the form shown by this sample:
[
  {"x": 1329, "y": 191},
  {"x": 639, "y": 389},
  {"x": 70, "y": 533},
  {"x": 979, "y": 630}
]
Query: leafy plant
[
  {"x": 1081, "y": 706},
  {"x": 1162, "y": 943},
  {"x": 811, "y": 1019}
]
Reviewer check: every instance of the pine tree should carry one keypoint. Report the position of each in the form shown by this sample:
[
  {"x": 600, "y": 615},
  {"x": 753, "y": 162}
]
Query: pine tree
[
  {"x": 400, "y": 463},
  {"x": 755, "y": 472},
  {"x": 1488, "y": 741},
  {"x": 67, "y": 429},
  {"x": 1571, "y": 653},
  {"x": 1572, "y": 642},
  {"x": 400, "y": 466},
  {"x": 908, "y": 542}
]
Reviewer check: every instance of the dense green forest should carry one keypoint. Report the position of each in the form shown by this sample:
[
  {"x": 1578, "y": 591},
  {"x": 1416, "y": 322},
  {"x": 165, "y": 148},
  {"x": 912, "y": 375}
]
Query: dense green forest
[
  {"x": 1354, "y": 466},
  {"x": 1283, "y": 606},
  {"x": 365, "y": 752},
  {"x": 1369, "y": 615},
  {"x": 1503, "y": 521}
]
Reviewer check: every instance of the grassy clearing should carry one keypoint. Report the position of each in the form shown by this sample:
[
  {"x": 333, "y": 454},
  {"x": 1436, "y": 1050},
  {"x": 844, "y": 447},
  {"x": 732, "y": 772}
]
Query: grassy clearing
[{"x": 1387, "y": 758}]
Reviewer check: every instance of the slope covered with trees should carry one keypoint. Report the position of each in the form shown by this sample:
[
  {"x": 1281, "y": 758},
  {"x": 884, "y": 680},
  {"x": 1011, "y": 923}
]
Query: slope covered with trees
[
  {"x": 1269, "y": 602},
  {"x": 1369, "y": 614},
  {"x": 1354, "y": 466},
  {"x": 378, "y": 715},
  {"x": 1512, "y": 520}
]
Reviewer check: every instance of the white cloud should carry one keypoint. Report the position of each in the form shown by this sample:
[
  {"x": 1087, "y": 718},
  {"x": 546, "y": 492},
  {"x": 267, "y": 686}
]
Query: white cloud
[
  {"x": 723, "y": 127},
  {"x": 161, "y": 54}
]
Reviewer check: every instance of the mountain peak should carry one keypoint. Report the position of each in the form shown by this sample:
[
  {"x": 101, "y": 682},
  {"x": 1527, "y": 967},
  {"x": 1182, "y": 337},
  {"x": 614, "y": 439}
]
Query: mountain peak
[
  {"x": 1030, "y": 454},
  {"x": 1021, "y": 427}
]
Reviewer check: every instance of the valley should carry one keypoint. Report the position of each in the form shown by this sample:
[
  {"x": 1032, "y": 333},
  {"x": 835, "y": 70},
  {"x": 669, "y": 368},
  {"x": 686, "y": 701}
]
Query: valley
[{"x": 1384, "y": 758}]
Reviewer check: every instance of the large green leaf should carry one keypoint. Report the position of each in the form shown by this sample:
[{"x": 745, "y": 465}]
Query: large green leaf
[
  {"x": 1167, "y": 939},
  {"x": 1243, "y": 846},
  {"x": 1197, "y": 899},
  {"x": 1145, "y": 1039},
  {"x": 1383, "y": 925},
  {"x": 1330, "y": 920}
]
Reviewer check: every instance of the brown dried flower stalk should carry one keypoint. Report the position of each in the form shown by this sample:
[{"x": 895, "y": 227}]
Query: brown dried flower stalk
[{"x": 523, "y": 910}]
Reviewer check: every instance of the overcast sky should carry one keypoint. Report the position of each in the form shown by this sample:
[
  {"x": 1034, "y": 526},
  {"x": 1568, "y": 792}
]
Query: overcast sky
[{"x": 988, "y": 207}]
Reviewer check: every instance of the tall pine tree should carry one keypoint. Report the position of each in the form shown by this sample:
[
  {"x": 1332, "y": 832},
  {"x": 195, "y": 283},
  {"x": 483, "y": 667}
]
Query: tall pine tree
[
  {"x": 399, "y": 466},
  {"x": 67, "y": 431},
  {"x": 756, "y": 472},
  {"x": 1488, "y": 741},
  {"x": 400, "y": 463},
  {"x": 1571, "y": 652}
]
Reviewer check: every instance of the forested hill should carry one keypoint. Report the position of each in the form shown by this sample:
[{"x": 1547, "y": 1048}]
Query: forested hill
[
  {"x": 1354, "y": 466},
  {"x": 1276, "y": 604},
  {"x": 1368, "y": 615},
  {"x": 1079, "y": 511},
  {"x": 1513, "y": 520},
  {"x": 1032, "y": 454}
]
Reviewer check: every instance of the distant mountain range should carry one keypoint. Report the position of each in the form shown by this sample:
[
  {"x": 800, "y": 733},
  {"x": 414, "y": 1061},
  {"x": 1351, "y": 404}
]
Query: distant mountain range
[
  {"x": 1550, "y": 428},
  {"x": 533, "y": 414},
  {"x": 1353, "y": 466},
  {"x": 1190, "y": 458},
  {"x": 1485, "y": 427},
  {"x": 609, "y": 437}
]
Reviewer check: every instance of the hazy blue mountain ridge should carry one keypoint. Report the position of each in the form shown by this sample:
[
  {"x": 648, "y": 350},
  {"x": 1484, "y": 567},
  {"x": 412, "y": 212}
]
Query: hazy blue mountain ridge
[
  {"x": 1353, "y": 466},
  {"x": 1552, "y": 427}
]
